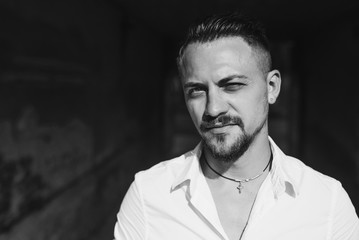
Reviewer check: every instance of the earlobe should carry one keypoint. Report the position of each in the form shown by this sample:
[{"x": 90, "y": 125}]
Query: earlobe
[{"x": 273, "y": 85}]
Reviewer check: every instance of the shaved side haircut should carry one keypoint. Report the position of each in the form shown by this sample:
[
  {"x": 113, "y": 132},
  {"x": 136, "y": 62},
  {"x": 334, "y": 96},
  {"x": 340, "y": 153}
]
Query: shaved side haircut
[{"x": 230, "y": 25}]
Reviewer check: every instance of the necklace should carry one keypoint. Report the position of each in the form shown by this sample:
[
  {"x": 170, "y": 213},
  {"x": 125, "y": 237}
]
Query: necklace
[{"x": 241, "y": 181}]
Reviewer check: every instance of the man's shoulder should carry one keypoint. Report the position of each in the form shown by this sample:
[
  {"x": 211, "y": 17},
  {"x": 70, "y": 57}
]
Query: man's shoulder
[
  {"x": 322, "y": 195},
  {"x": 307, "y": 176},
  {"x": 298, "y": 171}
]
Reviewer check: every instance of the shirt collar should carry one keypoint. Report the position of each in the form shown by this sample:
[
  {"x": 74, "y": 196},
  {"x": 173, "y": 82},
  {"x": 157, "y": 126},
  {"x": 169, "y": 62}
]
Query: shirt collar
[
  {"x": 189, "y": 174},
  {"x": 285, "y": 176},
  {"x": 284, "y": 179}
]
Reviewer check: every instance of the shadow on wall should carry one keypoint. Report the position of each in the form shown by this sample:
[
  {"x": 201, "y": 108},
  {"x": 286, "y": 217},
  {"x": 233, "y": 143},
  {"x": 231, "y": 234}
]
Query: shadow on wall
[{"x": 70, "y": 132}]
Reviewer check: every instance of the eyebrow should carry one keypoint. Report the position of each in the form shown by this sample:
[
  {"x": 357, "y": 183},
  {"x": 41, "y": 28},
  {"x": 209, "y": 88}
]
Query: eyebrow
[
  {"x": 221, "y": 82},
  {"x": 225, "y": 80},
  {"x": 192, "y": 85}
]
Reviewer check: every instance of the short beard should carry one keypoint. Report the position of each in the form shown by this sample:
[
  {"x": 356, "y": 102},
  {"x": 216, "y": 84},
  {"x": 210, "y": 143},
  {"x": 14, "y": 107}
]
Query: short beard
[{"x": 236, "y": 150}]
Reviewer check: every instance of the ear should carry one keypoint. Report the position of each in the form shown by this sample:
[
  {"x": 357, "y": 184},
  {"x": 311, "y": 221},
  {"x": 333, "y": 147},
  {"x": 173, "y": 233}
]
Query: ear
[{"x": 273, "y": 85}]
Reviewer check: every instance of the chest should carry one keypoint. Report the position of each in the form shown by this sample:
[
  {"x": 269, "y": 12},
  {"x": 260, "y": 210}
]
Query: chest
[
  {"x": 201, "y": 218},
  {"x": 234, "y": 208}
]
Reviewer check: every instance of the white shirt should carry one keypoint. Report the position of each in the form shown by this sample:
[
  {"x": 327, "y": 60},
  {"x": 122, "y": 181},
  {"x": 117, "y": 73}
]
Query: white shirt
[{"x": 172, "y": 201}]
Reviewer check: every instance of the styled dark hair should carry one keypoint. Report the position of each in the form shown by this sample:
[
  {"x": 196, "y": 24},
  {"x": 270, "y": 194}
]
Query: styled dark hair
[{"x": 230, "y": 25}]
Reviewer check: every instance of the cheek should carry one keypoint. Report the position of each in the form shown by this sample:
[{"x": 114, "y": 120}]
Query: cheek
[
  {"x": 263, "y": 101},
  {"x": 260, "y": 105},
  {"x": 251, "y": 107},
  {"x": 196, "y": 111},
  {"x": 260, "y": 99}
]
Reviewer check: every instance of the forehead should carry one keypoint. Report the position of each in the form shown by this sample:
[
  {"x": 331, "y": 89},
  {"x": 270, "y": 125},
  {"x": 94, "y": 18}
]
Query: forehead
[{"x": 219, "y": 56}]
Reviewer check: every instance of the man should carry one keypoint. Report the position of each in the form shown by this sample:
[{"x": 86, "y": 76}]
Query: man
[{"x": 236, "y": 184}]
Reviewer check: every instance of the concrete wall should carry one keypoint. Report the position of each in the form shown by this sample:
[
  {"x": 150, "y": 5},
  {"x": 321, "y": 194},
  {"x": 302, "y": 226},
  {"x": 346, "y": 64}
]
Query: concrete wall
[
  {"x": 328, "y": 70},
  {"x": 79, "y": 104}
]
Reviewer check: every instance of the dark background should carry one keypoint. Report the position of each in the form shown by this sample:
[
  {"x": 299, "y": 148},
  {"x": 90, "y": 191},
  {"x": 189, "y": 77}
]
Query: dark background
[{"x": 89, "y": 95}]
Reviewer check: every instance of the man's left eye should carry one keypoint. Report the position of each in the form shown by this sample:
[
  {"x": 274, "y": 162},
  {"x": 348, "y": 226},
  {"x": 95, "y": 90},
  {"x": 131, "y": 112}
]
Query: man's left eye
[{"x": 233, "y": 86}]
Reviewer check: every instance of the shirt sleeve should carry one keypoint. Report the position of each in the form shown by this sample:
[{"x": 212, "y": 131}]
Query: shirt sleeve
[
  {"x": 345, "y": 223},
  {"x": 130, "y": 223}
]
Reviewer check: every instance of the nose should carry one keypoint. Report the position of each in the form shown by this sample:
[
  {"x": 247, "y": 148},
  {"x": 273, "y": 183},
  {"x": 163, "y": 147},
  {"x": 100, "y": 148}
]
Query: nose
[{"x": 215, "y": 105}]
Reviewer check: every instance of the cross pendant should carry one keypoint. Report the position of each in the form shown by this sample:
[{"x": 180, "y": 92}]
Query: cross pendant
[{"x": 239, "y": 187}]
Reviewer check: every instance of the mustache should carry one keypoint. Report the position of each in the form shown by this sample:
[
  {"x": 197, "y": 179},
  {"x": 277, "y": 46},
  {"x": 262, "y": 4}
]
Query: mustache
[{"x": 220, "y": 121}]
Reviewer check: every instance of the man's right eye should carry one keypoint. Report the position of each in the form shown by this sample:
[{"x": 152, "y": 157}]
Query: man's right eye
[{"x": 195, "y": 92}]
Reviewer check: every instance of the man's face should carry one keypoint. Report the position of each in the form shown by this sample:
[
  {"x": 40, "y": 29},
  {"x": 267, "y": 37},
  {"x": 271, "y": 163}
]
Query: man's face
[{"x": 226, "y": 95}]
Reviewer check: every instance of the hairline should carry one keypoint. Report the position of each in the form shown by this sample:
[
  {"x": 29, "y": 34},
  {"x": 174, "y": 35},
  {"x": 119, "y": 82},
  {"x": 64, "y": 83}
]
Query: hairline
[{"x": 260, "y": 53}]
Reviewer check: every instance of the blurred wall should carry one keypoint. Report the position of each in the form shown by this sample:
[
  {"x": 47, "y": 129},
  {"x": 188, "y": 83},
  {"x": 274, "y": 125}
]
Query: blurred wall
[
  {"x": 79, "y": 103},
  {"x": 327, "y": 66}
]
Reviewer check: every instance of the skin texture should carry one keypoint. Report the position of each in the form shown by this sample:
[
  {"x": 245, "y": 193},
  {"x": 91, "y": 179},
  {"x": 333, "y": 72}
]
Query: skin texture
[{"x": 228, "y": 94}]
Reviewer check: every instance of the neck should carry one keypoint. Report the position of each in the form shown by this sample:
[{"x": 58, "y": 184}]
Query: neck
[{"x": 251, "y": 163}]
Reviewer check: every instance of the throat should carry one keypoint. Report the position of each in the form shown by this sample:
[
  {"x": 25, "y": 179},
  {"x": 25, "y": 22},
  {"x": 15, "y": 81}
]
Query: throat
[{"x": 241, "y": 182}]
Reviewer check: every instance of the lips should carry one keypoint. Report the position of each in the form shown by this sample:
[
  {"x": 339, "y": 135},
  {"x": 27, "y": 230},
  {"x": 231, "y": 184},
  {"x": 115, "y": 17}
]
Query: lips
[
  {"x": 222, "y": 122},
  {"x": 217, "y": 126}
]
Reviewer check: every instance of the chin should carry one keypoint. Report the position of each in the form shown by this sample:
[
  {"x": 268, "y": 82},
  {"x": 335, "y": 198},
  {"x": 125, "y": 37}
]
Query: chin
[
  {"x": 226, "y": 149},
  {"x": 222, "y": 140}
]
